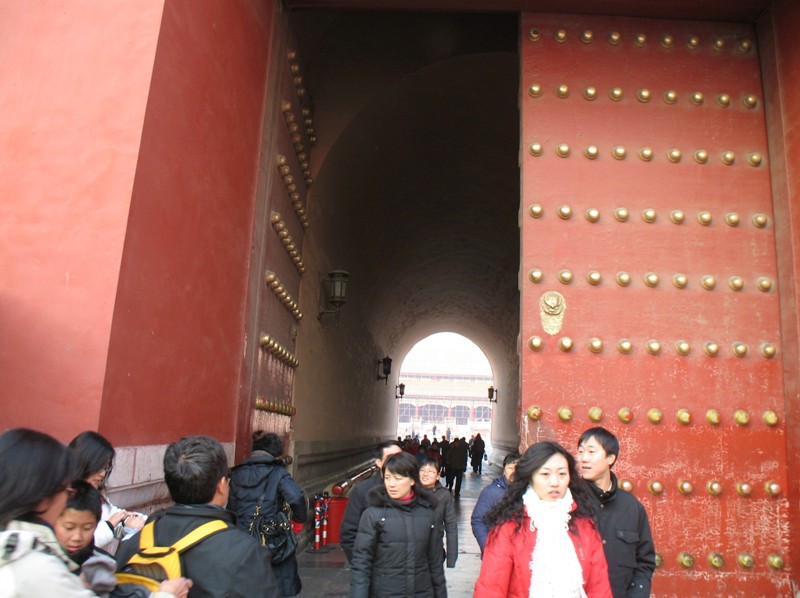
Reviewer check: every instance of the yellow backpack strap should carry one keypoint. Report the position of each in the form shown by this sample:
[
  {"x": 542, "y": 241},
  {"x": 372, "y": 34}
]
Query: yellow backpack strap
[
  {"x": 146, "y": 536},
  {"x": 138, "y": 580},
  {"x": 199, "y": 533},
  {"x": 167, "y": 557}
]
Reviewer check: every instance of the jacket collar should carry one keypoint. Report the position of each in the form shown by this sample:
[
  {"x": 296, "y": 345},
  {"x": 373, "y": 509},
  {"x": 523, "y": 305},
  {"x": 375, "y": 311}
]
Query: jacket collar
[
  {"x": 602, "y": 495},
  {"x": 207, "y": 511},
  {"x": 23, "y": 537},
  {"x": 379, "y": 498},
  {"x": 260, "y": 458}
]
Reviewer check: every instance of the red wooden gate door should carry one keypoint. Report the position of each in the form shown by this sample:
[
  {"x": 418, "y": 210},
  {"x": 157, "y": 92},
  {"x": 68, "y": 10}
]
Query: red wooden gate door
[{"x": 649, "y": 283}]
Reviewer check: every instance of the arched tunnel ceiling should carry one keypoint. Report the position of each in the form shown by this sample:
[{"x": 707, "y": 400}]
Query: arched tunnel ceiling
[{"x": 418, "y": 169}]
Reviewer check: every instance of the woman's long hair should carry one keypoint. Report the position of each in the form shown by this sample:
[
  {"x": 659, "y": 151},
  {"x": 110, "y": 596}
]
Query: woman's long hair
[
  {"x": 93, "y": 453},
  {"x": 33, "y": 467},
  {"x": 509, "y": 507}
]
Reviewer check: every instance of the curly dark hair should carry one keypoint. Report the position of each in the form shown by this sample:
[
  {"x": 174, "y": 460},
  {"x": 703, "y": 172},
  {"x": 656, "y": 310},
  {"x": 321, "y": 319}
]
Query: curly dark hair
[
  {"x": 268, "y": 442},
  {"x": 510, "y": 508}
]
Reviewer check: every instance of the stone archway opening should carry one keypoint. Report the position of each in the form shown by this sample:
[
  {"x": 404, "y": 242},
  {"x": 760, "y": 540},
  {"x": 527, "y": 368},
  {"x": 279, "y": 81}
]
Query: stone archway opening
[{"x": 446, "y": 377}]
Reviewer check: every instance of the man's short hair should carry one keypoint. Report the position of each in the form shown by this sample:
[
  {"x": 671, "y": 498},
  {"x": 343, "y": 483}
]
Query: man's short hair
[
  {"x": 604, "y": 438},
  {"x": 378, "y": 452},
  {"x": 85, "y": 497},
  {"x": 512, "y": 457},
  {"x": 193, "y": 466}
]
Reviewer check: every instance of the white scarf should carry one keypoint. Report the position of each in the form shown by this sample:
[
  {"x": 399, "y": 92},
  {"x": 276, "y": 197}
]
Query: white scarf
[{"x": 555, "y": 569}]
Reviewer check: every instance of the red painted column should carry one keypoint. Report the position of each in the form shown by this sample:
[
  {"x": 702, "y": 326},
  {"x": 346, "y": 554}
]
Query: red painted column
[
  {"x": 781, "y": 68},
  {"x": 73, "y": 91},
  {"x": 175, "y": 353},
  {"x": 130, "y": 148}
]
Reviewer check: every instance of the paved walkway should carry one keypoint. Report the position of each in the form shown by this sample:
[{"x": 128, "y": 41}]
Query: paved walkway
[{"x": 326, "y": 574}]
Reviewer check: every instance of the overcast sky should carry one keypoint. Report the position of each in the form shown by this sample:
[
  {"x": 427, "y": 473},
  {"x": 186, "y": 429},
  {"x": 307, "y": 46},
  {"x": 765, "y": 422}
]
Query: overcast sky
[{"x": 446, "y": 353}]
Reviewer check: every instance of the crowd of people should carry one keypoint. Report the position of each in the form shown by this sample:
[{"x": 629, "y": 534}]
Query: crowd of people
[
  {"x": 552, "y": 525},
  {"x": 60, "y": 535},
  {"x": 453, "y": 456}
]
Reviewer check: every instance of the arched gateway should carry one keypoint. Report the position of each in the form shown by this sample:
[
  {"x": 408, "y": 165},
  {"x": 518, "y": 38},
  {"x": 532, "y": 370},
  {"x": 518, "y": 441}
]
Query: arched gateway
[{"x": 180, "y": 178}]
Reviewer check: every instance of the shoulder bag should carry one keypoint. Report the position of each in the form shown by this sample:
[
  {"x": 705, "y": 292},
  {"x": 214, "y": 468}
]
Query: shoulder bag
[{"x": 274, "y": 532}]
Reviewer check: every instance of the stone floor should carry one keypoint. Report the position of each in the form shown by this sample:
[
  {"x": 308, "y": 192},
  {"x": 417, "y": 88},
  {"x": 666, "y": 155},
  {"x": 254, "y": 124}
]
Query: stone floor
[{"x": 326, "y": 574}]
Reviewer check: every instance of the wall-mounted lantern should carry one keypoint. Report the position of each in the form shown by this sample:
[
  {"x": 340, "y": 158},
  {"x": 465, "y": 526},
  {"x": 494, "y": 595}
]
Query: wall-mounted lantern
[
  {"x": 492, "y": 392},
  {"x": 385, "y": 367},
  {"x": 399, "y": 391},
  {"x": 332, "y": 291}
]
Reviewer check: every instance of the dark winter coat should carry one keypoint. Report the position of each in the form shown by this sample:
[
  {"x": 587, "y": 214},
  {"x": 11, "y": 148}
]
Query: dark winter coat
[
  {"x": 628, "y": 542},
  {"x": 248, "y": 481},
  {"x": 457, "y": 456},
  {"x": 486, "y": 500},
  {"x": 446, "y": 522},
  {"x": 478, "y": 449},
  {"x": 356, "y": 504},
  {"x": 398, "y": 552},
  {"x": 228, "y": 564}
]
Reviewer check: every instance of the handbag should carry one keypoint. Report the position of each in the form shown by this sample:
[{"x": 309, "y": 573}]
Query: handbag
[{"x": 274, "y": 532}]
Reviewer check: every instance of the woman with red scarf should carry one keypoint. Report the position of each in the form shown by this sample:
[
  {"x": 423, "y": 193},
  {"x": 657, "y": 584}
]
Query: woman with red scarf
[
  {"x": 543, "y": 541},
  {"x": 398, "y": 551}
]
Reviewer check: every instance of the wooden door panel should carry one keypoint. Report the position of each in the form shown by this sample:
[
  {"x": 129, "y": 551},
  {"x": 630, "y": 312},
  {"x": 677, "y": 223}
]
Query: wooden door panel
[{"x": 704, "y": 219}]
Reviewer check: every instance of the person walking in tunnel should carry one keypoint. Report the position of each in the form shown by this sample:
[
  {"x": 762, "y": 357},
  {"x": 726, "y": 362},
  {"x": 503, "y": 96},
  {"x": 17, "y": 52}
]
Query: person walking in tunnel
[
  {"x": 398, "y": 550},
  {"x": 621, "y": 518},
  {"x": 478, "y": 451},
  {"x": 261, "y": 481},
  {"x": 489, "y": 497},
  {"x": 456, "y": 464},
  {"x": 425, "y": 443},
  {"x": 357, "y": 501},
  {"x": 446, "y": 522},
  {"x": 543, "y": 540},
  {"x": 444, "y": 446}
]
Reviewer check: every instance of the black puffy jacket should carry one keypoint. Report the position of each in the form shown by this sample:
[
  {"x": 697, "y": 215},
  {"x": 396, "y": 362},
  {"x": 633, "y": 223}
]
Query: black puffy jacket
[
  {"x": 248, "y": 481},
  {"x": 627, "y": 540},
  {"x": 398, "y": 550}
]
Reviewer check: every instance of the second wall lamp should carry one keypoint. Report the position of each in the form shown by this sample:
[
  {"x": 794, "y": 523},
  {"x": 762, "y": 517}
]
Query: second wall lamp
[
  {"x": 492, "y": 391},
  {"x": 399, "y": 391},
  {"x": 386, "y": 368}
]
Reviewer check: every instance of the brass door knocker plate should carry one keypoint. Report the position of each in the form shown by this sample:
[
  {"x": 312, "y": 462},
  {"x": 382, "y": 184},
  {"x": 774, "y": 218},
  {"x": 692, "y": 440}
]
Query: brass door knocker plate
[{"x": 552, "y": 306}]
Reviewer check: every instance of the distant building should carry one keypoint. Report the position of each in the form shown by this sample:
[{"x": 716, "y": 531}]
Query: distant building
[{"x": 457, "y": 402}]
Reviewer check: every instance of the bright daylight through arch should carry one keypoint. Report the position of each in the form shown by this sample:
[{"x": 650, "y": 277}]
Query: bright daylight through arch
[{"x": 446, "y": 377}]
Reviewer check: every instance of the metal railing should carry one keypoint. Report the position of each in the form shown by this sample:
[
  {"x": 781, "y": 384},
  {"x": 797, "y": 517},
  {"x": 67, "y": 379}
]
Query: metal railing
[{"x": 341, "y": 487}]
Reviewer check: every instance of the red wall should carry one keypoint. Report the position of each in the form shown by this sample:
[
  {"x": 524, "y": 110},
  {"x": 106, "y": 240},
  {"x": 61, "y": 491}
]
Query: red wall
[
  {"x": 177, "y": 338},
  {"x": 73, "y": 91}
]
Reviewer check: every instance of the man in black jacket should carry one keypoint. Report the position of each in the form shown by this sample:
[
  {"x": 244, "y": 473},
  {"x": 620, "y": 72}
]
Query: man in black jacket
[
  {"x": 456, "y": 464},
  {"x": 228, "y": 564},
  {"x": 358, "y": 501},
  {"x": 621, "y": 518}
]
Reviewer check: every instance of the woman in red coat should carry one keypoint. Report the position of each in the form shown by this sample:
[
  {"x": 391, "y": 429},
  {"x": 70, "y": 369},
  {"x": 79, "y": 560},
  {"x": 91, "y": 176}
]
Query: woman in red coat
[{"x": 543, "y": 541}]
